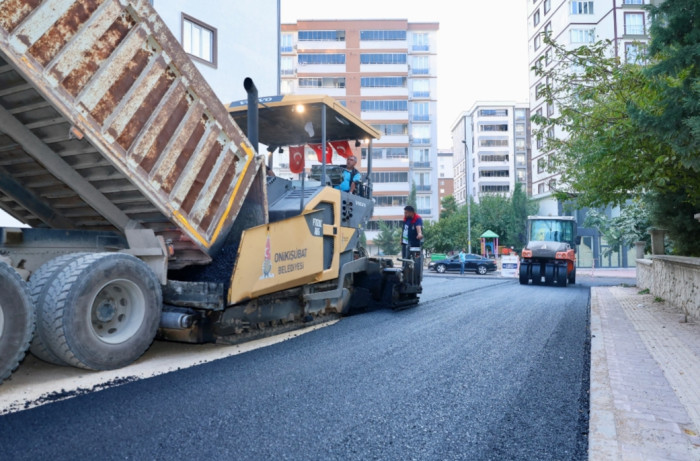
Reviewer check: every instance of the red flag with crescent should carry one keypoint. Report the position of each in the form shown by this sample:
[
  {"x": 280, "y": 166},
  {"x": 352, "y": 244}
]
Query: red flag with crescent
[
  {"x": 318, "y": 150},
  {"x": 296, "y": 159},
  {"x": 342, "y": 148}
]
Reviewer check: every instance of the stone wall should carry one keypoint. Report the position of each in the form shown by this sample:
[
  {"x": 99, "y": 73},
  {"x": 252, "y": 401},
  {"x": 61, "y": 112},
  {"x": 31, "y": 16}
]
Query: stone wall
[{"x": 676, "y": 279}]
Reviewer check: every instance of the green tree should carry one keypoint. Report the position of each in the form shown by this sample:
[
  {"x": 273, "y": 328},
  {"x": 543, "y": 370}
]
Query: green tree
[
  {"x": 449, "y": 206},
  {"x": 627, "y": 130},
  {"x": 520, "y": 208},
  {"x": 603, "y": 156},
  {"x": 412, "y": 197},
  {"x": 388, "y": 239},
  {"x": 622, "y": 231}
]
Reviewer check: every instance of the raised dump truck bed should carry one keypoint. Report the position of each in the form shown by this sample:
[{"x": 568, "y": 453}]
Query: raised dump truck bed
[{"x": 105, "y": 124}]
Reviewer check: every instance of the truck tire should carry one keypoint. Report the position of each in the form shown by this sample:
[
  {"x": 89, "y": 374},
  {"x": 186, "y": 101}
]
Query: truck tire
[
  {"x": 572, "y": 276},
  {"x": 523, "y": 275},
  {"x": 16, "y": 320},
  {"x": 40, "y": 283},
  {"x": 104, "y": 311}
]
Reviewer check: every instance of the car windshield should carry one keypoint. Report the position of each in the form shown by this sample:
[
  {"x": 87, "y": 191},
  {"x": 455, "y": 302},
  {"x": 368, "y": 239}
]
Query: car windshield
[{"x": 551, "y": 230}]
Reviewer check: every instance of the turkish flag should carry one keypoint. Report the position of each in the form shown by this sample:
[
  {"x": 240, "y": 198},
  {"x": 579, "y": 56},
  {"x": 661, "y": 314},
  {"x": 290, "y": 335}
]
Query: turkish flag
[
  {"x": 318, "y": 150},
  {"x": 342, "y": 148},
  {"x": 296, "y": 159}
]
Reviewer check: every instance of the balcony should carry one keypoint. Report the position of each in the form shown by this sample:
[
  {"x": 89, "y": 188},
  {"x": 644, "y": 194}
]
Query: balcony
[
  {"x": 415, "y": 71},
  {"x": 420, "y": 117},
  {"x": 422, "y": 187},
  {"x": 634, "y": 29},
  {"x": 420, "y": 141},
  {"x": 421, "y": 164},
  {"x": 424, "y": 211}
]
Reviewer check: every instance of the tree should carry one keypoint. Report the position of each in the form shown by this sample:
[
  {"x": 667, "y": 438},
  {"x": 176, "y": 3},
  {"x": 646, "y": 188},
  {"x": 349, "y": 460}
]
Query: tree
[
  {"x": 412, "y": 197},
  {"x": 603, "y": 156},
  {"x": 520, "y": 208},
  {"x": 622, "y": 231},
  {"x": 449, "y": 206},
  {"x": 627, "y": 130},
  {"x": 388, "y": 239}
]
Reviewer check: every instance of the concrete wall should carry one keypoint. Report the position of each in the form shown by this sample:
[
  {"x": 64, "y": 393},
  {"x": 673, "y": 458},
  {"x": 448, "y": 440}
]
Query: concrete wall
[{"x": 676, "y": 279}]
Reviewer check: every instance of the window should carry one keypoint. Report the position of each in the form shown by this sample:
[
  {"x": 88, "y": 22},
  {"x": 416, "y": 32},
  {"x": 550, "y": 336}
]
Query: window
[
  {"x": 321, "y": 58},
  {"x": 487, "y": 188},
  {"x": 548, "y": 29},
  {"x": 421, "y": 157},
  {"x": 520, "y": 160},
  {"x": 520, "y": 175},
  {"x": 541, "y": 165},
  {"x": 383, "y": 35},
  {"x": 539, "y": 89},
  {"x": 540, "y": 188},
  {"x": 633, "y": 53},
  {"x": 423, "y": 204},
  {"x": 536, "y": 18},
  {"x": 634, "y": 23},
  {"x": 582, "y": 35},
  {"x": 494, "y": 158},
  {"x": 421, "y": 88},
  {"x": 520, "y": 114},
  {"x": 520, "y": 144},
  {"x": 386, "y": 152},
  {"x": 383, "y": 82},
  {"x": 287, "y": 65},
  {"x": 579, "y": 7},
  {"x": 493, "y": 143},
  {"x": 550, "y": 109},
  {"x": 382, "y": 58},
  {"x": 386, "y": 176},
  {"x": 422, "y": 182},
  {"x": 199, "y": 40},
  {"x": 384, "y": 106},
  {"x": 421, "y": 134},
  {"x": 321, "y": 35},
  {"x": 520, "y": 129},
  {"x": 493, "y": 113},
  {"x": 547, "y": 6},
  {"x": 499, "y": 127},
  {"x": 420, "y": 41},
  {"x": 287, "y": 43},
  {"x": 322, "y": 82},
  {"x": 392, "y": 129},
  {"x": 420, "y": 112},
  {"x": 538, "y": 42},
  {"x": 390, "y": 200},
  {"x": 494, "y": 174},
  {"x": 420, "y": 65}
]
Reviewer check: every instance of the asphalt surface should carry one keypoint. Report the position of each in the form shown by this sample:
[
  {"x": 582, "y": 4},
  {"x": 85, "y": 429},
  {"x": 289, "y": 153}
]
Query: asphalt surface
[{"x": 483, "y": 368}]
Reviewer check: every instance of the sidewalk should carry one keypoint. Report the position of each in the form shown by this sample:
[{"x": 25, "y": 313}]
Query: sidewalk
[{"x": 645, "y": 379}]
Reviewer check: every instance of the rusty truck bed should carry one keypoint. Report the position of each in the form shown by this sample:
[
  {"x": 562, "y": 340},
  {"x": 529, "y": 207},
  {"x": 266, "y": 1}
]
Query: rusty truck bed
[{"x": 106, "y": 124}]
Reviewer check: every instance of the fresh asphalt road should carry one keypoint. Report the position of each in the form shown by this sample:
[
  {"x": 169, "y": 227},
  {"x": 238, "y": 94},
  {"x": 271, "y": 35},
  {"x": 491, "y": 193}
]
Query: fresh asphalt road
[{"x": 482, "y": 368}]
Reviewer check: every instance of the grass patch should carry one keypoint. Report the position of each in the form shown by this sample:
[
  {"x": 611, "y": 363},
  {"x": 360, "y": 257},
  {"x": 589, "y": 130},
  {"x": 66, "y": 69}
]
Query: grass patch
[
  {"x": 658, "y": 300},
  {"x": 644, "y": 291}
]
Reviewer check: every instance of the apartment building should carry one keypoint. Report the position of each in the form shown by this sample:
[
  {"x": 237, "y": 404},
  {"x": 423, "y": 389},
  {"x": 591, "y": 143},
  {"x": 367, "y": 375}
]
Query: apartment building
[
  {"x": 491, "y": 149},
  {"x": 445, "y": 175},
  {"x": 385, "y": 71},
  {"x": 575, "y": 23}
]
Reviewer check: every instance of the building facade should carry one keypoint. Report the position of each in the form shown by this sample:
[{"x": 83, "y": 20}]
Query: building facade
[
  {"x": 386, "y": 72},
  {"x": 575, "y": 23},
  {"x": 491, "y": 149},
  {"x": 228, "y": 41},
  {"x": 445, "y": 175}
]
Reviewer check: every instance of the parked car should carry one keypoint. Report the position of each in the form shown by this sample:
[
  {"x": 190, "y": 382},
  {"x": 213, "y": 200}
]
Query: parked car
[{"x": 474, "y": 262}]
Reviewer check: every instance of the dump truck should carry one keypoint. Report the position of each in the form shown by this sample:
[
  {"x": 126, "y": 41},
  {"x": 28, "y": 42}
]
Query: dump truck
[
  {"x": 150, "y": 213},
  {"x": 550, "y": 255}
]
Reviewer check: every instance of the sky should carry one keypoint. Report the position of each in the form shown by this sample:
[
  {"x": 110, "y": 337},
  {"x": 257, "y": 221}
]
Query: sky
[{"x": 482, "y": 46}]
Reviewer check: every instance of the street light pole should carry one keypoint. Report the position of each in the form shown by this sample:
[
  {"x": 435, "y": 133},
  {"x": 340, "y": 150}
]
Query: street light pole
[{"x": 468, "y": 194}]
